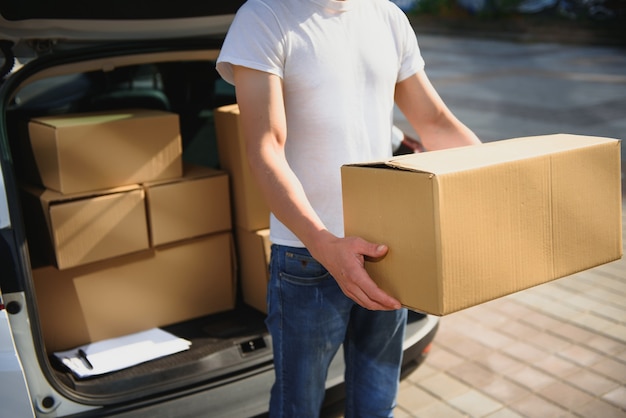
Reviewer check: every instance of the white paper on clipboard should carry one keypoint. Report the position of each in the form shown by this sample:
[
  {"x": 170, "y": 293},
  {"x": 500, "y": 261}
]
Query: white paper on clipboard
[{"x": 119, "y": 353}]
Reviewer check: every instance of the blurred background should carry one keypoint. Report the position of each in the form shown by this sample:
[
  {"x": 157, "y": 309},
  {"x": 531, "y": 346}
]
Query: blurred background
[{"x": 510, "y": 68}]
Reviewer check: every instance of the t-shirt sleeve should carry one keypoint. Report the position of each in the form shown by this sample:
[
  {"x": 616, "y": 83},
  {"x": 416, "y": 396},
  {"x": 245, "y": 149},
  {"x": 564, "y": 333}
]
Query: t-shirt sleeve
[
  {"x": 254, "y": 40},
  {"x": 411, "y": 60}
]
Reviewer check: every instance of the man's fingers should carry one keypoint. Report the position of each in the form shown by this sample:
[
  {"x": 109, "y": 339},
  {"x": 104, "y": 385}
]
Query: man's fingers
[
  {"x": 376, "y": 302},
  {"x": 370, "y": 250},
  {"x": 366, "y": 293},
  {"x": 379, "y": 300},
  {"x": 375, "y": 296},
  {"x": 345, "y": 259}
]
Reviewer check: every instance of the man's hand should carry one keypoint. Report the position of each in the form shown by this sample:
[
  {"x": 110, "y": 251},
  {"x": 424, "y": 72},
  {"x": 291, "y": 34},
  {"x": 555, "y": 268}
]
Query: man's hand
[{"x": 344, "y": 258}]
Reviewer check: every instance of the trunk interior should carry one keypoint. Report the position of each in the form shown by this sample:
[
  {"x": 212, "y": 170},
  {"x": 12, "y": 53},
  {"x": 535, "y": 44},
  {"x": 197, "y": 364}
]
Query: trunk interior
[{"x": 224, "y": 342}]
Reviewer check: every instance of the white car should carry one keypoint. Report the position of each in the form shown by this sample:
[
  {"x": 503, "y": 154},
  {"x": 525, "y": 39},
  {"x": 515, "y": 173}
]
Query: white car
[{"x": 77, "y": 57}]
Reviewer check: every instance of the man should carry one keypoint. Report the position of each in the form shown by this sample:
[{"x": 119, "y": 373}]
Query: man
[{"x": 316, "y": 82}]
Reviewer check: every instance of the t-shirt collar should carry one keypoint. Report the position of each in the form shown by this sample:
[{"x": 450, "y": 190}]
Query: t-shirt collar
[{"x": 336, "y": 5}]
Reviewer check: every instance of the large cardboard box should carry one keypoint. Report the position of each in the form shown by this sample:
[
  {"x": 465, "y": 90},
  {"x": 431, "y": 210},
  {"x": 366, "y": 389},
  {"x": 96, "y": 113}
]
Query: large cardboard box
[
  {"x": 81, "y": 228},
  {"x": 253, "y": 255},
  {"x": 468, "y": 225},
  {"x": 136, "y": 292},
  {"x": 90, "y": 151},
  {"x": 190, "y": 206},
  {"x": 251, "y": 211}
]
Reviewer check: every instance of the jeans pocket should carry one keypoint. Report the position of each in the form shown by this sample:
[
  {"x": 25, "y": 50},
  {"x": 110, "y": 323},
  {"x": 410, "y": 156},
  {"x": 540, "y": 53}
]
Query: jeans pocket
[{"x": 302, "y": 269}]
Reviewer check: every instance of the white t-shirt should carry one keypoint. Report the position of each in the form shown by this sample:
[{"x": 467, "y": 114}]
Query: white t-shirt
[{"x": 340, "y": 62}]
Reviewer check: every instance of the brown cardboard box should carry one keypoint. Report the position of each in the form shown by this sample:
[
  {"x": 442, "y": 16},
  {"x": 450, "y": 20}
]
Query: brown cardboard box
[
  {"x": 253, "y": 255},
  {"x": 194, "y": 205},
  {"x": 136, "y": 292},
  {"x": 81, "y": 228},
  {"x": 90, "y": 151},
  {"x": 471, "y": 224},
  {"x": 251, "y": 211}
]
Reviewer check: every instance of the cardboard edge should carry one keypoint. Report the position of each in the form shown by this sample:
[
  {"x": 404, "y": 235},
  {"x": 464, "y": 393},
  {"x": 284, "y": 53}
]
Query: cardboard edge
[
  {"x": 45, "y": 153},
  {"x": 234, "y": 266},
  {"x": 441, "y": 302},
  {"x": 233, "y": 160}
]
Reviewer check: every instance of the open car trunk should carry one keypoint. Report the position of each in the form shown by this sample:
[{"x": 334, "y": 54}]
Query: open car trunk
[
  {"x": 224, "y": 341},
  {"x": 194, "y": 290}
]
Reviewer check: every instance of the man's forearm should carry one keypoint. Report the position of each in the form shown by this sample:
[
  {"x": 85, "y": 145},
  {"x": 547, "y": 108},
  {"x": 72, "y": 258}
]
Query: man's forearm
[
  {"x": 436, "y": 125},
  {"x": 447, "y": 133},
  {"x": 285, "y": 196}
]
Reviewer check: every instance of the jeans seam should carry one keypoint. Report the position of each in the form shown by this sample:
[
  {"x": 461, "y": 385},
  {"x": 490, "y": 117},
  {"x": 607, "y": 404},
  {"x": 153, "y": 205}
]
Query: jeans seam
[
  {"x": 282, "y": 354},
  {"x": 349, "y": 373}
]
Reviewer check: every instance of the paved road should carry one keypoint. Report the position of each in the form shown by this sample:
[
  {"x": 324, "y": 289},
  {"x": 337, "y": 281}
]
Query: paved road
[
  {"x": 557, "y": 350},
  {"x": 505, "y": 89}
]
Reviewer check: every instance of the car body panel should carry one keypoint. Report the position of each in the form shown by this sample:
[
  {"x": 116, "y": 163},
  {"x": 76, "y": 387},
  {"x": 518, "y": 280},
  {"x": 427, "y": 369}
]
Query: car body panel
[
  {"x": 72, "y": 21},
  {"x": 14, "y": 395}
]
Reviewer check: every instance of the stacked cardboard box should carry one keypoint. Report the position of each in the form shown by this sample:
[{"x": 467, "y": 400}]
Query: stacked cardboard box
[
  {"x": 135, "y": 292},
  {"x": 251, "y": 212},
  {"x": 121, "y": 222},
  {"x": 194, "y": 205},
  {"x": 253, "y": 252},
  {"x": 91, "y": 151},
  {"x": 84, "y": 227}
]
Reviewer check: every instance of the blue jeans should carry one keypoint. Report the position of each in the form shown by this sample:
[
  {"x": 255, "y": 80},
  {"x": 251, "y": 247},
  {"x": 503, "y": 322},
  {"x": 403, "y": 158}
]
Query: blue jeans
[{"x": 309, "y": 318}]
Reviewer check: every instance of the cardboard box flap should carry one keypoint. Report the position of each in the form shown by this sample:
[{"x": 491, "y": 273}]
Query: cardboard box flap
[
  {"x": 190, "y": 172},
  {"x": 58, "y": 121},
  {"x": 49, "y": 197},
  {"x": 231, "y": 108},
  {"x": 483, "y": 155}
]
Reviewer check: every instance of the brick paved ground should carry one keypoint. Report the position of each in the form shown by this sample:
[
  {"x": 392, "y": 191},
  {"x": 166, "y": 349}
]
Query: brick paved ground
[{"x": 557, "y": 350}]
